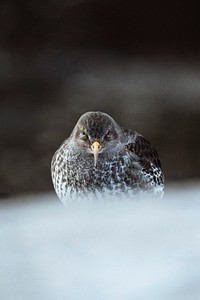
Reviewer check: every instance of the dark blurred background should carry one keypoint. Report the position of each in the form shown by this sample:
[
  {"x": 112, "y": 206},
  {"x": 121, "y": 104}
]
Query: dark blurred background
[{"x": 136, "y": 60}]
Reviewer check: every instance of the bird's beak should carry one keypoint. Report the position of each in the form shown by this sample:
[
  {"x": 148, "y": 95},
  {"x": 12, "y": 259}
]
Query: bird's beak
[{"x": 95, "y": 147}]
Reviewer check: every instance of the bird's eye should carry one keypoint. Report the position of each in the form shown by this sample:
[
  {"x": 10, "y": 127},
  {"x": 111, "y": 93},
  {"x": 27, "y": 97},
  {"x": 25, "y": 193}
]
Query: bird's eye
[
  {"x": 108, "y": 135},
  {"x": 84, "y": 136}
]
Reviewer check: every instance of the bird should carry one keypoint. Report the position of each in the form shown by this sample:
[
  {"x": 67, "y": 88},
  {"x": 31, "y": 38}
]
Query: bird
[{"x": 101, "y": 158}]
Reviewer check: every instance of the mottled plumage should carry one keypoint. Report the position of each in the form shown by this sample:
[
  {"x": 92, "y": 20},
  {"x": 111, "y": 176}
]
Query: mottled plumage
[{"x": 102, "y": 157}]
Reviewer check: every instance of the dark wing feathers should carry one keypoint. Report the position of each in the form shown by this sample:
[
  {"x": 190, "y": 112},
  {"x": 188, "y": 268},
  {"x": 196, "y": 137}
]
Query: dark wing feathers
[
  {"x": 146, "y": 153},
  {"x": 147, "y": 156}
]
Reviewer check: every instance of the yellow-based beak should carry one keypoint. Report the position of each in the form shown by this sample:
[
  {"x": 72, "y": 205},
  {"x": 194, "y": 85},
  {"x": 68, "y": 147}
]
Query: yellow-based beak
[{"x": 95, "y": 147}]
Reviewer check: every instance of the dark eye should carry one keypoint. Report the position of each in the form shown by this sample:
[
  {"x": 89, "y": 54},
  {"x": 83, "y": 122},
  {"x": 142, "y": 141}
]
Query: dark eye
[
  {"x": 108, "y": 136},
  {"x": 84, "y": 136}
]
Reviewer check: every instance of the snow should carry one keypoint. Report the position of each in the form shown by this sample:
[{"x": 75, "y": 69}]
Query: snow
[{"x": 130, "y": 250}]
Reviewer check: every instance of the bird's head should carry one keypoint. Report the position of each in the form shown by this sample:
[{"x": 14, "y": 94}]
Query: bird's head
[{"x": 96, "y": 132}]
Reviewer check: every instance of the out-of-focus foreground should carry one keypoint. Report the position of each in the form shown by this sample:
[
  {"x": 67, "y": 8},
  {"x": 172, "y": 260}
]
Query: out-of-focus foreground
[{"x": 101, "y": 250}]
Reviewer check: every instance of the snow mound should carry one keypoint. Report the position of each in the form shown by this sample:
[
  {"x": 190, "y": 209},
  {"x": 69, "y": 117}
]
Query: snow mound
[{"x": 101, "y": 250}]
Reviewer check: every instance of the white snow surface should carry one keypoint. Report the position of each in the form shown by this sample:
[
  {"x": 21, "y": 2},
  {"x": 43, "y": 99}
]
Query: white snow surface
[{"x": 101, "y": 250}]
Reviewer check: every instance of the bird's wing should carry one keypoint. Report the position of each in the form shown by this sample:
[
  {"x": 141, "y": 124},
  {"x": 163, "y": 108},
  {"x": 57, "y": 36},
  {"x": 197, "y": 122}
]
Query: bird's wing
[{"x": 146, "y": 154}]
